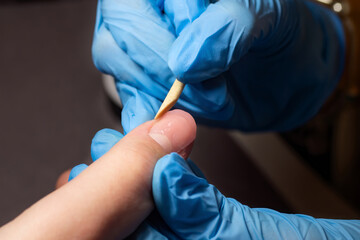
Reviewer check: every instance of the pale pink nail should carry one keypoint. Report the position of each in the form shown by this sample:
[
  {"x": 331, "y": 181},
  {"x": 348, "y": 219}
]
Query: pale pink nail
[{"x": 174, "y": 131}]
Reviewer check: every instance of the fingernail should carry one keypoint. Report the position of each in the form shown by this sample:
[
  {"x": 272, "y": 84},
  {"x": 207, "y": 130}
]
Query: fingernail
[{"x": 174, "y": 131}]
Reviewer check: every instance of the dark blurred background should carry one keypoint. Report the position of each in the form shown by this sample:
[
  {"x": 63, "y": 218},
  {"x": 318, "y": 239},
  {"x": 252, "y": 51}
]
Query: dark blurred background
[
  {"x": 52, "y": 103},
  {"x": 51, "y": 97}
]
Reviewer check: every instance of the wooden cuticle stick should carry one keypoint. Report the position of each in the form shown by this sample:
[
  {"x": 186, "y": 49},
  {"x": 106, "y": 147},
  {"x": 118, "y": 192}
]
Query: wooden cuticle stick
[{"x": 171, "y": 98}]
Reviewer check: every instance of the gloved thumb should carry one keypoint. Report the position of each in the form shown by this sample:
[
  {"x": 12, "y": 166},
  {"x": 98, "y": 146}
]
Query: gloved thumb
[
  {"x": 186, "y": 202},
  {"x": 219, "y": 37}
]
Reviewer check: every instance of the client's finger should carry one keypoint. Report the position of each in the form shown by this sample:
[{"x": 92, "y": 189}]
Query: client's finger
[
  {"x": 62, "y": 179},
  {"x": 113, "y": 195},
  {"x": 101, "y": 143}
]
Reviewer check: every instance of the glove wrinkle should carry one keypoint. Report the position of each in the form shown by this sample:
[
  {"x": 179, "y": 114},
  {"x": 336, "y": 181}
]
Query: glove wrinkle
[{"x": 195, "y": 209}]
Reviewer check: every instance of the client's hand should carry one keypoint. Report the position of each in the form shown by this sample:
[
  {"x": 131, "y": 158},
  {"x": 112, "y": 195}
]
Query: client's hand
[
  {"x": 113, "y": 196},
  {"x": 188, "y": 207}
]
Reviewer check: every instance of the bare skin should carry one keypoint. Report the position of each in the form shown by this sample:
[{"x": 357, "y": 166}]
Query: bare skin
[
  {"x": 113, "y": 195},
  {"x": 62, "y": 179}
]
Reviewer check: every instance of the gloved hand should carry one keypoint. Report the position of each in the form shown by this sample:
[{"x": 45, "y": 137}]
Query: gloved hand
[
  {"x": 249, "y": 64},
  {"x": 195, "y": 209},
  {"x": 188, "y": 207}
]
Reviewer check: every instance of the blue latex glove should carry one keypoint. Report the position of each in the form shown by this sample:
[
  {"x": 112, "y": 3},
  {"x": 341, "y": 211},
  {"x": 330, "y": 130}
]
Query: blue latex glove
[
  {"x": 195, "y": 209},
  {"x": 250, "y": 64},
  {"x": 188, "y": 207}
]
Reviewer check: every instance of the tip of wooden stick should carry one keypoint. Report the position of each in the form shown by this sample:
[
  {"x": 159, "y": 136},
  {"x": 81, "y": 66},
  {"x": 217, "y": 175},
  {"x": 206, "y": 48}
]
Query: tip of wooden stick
[
  {"x": 158, "y": 115},
  {"x": 171, "y": 98}
]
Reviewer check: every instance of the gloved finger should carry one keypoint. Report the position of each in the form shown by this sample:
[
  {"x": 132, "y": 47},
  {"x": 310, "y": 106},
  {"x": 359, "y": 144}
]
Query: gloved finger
[
  {"x": 143, "y": 104},
  {"x": 181, "y": 12},
  {"x": 77, "y": 170},
  {"x": 185, "y": 200},
  {"x": 111, "y": 59},
  {"x": 62, "y": 179},
  {"x": 139, "y": 107},
  {"x": 103, "y": 141},
  {"x": 143, "y": 32},
  {"x": 218, "y": 38},
  {"x": 203, "y": 99}
]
